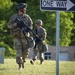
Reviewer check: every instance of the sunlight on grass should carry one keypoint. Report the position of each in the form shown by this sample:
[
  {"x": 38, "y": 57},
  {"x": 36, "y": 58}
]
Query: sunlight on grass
[{"x": 47, "y": 68}]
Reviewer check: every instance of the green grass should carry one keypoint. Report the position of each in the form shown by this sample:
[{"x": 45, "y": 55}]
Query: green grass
[{"x": 47, "y": 68}]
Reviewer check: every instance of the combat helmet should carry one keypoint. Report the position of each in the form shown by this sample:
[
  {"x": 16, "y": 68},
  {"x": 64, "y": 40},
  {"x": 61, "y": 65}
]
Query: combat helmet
[
  {"x": 21, "y": 5},
  {"x": 39, "y": 22}
]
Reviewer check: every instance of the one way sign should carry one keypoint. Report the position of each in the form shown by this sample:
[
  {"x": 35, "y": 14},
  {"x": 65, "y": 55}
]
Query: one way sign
[{"x": 62, "y": 5}]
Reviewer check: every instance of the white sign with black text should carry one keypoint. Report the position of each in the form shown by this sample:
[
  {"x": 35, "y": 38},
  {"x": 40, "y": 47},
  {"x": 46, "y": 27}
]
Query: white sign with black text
[{"x": 57, "y": 4}]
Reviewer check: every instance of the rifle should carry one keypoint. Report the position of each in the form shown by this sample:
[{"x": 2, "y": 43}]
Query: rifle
[{"x": 23, "y": 27}]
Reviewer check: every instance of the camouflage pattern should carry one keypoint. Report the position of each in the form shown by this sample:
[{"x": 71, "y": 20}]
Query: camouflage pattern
[
  {"x": 20, "y": 42},
  {"x": 42, "y": 35},
  {"x": 15, "y": 30},
  {"x": 21, "y": 48},
  {"x": 39, "y": 22}
]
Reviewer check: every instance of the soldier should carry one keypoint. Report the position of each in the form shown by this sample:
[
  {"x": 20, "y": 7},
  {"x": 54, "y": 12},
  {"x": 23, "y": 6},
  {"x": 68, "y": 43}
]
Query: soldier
[
  {"x": 39, "y": 42},
  {"x": 20, "y": 38}
]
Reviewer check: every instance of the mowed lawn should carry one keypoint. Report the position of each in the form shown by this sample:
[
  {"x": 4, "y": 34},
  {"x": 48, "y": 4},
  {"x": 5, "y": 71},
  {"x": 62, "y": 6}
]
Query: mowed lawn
[{"x": 47, "y": 68}]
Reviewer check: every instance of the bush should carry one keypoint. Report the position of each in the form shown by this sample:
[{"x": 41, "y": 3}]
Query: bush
[{"x": 9, "y": 52}]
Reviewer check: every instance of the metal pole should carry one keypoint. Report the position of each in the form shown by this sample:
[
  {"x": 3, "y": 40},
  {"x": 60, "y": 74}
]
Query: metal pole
[{"x": 57, "y": 41}]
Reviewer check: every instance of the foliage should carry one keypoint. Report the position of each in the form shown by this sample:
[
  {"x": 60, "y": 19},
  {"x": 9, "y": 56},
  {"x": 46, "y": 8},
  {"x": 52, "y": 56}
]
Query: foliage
[
  {"x": 5, "y": 37},
  {"x": 66, "y": 28},
  {"x": 4, "y": 7},
  {"x": 8, "y": 50},
  {"x": 73, "y": 32}
]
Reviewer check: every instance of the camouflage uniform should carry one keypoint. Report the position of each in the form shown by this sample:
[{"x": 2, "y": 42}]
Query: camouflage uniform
[
  {"x": 20, "y": 41},
  {"x": 41, "y": 33}
]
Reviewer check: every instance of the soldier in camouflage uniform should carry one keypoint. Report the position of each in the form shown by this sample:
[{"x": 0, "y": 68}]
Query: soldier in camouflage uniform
[
  {"x": 20, "y": 40},
  {"x": 41, "y": 34}
]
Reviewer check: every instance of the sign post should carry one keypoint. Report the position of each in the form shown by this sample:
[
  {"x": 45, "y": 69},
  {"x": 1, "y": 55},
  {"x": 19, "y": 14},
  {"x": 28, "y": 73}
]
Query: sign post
[
  {"x": 57, "y": 5},
  {"x": 57, "y": 40}
]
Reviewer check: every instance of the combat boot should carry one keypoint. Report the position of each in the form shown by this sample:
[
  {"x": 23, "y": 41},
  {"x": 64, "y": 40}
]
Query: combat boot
[
  {"x": 23, "y": 65},
  {"x": 20, "y": 67},
  {"x": 41, "y": 61},
  {"x": 32, "y": 61}
]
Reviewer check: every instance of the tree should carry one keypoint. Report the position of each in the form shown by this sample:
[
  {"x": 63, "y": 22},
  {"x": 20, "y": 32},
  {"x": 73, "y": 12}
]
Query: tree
[
  {"x": 66, "y": 28},
  {"x": 5, "y": 37},
  {"x": 73, "y": 32}
]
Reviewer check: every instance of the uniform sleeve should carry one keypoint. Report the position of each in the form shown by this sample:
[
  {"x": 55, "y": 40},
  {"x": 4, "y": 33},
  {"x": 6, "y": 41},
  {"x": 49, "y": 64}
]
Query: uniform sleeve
[
  {"x": 30, "y": 22},
  {"x": 11, "y": 22},
  {"x": 44, "y": 34}
]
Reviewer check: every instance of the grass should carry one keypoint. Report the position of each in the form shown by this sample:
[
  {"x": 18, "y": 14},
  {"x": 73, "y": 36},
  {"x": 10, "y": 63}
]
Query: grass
[{"x": 47, "y": 68}]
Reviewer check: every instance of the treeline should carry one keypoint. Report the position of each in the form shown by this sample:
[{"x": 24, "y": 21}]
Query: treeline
[{"x": 67, "y": 25}]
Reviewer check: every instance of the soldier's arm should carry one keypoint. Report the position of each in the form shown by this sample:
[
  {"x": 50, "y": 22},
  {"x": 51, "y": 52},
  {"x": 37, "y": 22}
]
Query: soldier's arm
[
  {"x": 11, "y": 23},
  {"x": 30, "y": 22},
  {"x": 44, "y": 34}
]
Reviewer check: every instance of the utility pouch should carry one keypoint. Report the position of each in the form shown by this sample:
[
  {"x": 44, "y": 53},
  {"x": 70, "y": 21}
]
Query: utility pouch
[{"x": 44, "y": 47}]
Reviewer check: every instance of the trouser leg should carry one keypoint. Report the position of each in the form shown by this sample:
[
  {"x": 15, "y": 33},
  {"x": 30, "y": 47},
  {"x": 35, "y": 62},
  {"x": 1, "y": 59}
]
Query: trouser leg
[
  {"x": 20, "y": 46},
  {"x": 34, "y": 56},
  {"x": 24, "y": 56},
  {"x": 19, "y": 61},
  {"x": 41, "y": 54},
  {"x": 41, "y": 57}
]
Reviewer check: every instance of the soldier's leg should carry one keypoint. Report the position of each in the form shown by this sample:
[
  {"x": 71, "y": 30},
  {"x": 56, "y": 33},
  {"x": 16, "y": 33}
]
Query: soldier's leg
[
  {"x": 18, "y": 61},
  {"x": 25, "y": 51},
  {"x": 18, "y": 48},
  {"x": 35, "y": 51},
  {"x": 41, "y": 56},
  {"x": 24, "y": 56}
]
